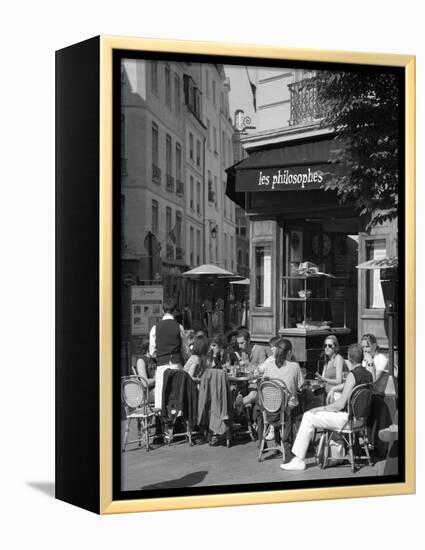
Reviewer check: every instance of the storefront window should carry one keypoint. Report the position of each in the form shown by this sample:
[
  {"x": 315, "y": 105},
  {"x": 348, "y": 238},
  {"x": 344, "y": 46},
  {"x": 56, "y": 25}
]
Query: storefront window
[
  {"x": 313, "y": 298},
  {"x": 375, "y": 250},
  {"x": 263, "y": 276}
]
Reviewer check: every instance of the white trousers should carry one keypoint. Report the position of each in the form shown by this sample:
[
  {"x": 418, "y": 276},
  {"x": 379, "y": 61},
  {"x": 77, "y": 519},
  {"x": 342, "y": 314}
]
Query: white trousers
[
  {"x": 313, "y": 420},
  {"x": 159, "y": 381}
]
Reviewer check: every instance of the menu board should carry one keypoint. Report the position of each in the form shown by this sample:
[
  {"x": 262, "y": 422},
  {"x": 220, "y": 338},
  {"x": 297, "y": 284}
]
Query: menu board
[{"x": 146, "y": 308}]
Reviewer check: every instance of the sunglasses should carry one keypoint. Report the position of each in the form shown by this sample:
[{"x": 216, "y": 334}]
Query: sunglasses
[{"x": 329, "y": 346}]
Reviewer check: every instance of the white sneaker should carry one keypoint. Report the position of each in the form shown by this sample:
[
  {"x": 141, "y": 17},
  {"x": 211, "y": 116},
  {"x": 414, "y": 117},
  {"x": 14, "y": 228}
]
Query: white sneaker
[
  {"x": 270, "y": 433},
  {"x": 295, "y": 464}
]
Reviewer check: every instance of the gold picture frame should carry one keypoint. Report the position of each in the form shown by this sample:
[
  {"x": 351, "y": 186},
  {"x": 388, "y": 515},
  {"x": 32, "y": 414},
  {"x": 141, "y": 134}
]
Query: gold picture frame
[{"x": 101, "y": 499}]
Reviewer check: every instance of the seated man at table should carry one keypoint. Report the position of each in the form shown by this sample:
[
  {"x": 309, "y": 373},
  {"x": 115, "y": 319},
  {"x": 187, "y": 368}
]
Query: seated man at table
[
  {"x": 249, "y": 357},
  {"x": 332, "y": 416},
  {"x": 245, "y": 352}
]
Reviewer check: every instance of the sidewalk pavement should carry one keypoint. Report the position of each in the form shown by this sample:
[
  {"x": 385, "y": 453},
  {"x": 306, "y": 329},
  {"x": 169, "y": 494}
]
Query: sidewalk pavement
[{"x": 180, "y": 465}]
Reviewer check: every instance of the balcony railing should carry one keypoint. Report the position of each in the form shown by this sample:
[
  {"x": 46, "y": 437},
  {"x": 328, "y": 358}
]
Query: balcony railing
[
  {"x": 305, "y": 106},
  {"x": 211, "y": 196},
  {"x": 156, "y": 174},
  {"x": 170, "y": 252},
  {"x": 179, "y": 188},
  {"x": 169, "y": 186}
]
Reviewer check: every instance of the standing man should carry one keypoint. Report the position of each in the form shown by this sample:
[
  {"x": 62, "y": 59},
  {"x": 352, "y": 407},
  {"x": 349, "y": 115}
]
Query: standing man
[{"x": 167, "y": 342}]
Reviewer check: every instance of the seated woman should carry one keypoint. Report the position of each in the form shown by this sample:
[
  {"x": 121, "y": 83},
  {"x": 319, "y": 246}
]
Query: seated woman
[
  {"x": 145, "y": 366},
  {"x": 196, "y": 363},
  {"x": 288, "y": 371},
  {"x": 332, "y": 416},
  {"x": 285, "y": 369},
  {"x": 375, "y": 362},
  {"x": 190, "y": 338},
  {"x": 332, "y": 374},
  {"x": 216, "y": 357},
  {"x": 279, "y": 366}
]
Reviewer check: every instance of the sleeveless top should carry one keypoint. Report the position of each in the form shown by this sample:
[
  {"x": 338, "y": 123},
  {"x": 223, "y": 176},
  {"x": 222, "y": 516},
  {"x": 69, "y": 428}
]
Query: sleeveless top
[
  {"x": 168, "y": 342},
  {"x": 149, "y": 363},
  {"x": 329, "y": 370},
  {"x": 362, "y": 376}
]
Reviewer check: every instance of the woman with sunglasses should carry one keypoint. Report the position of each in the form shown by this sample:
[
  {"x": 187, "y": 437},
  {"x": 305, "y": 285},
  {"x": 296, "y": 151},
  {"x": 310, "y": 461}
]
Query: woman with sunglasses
[{"x": 334, "y": 364}]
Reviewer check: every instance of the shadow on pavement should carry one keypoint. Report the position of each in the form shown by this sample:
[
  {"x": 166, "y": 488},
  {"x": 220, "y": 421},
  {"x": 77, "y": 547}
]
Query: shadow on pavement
[
  {"x": 186, "y": 481},
  {"x": 46, "y": 487}
]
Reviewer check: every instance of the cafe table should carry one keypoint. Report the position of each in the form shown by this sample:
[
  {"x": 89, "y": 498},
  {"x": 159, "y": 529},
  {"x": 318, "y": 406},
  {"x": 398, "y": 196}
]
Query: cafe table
[{"x": 237, "y": 385}]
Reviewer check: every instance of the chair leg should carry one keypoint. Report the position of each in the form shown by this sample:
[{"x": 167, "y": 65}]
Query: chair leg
[
  {"x": 282, "y": 442},
  {"x": 351, "y": 452},
  {"x": 320, "y": 450},
  {"x": 263, "y": 438},
  {"x": 127, "y": 429},
  {"x": 326, "y": 450},
  {"x": 171, "y": 431},
  {"x": 146, "y": 426},
  {"x": 139, "y": 430},
  {"x": 366, "y": 447}
]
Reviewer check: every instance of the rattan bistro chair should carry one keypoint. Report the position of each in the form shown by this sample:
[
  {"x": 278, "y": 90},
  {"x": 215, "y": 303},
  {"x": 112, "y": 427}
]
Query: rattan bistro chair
[
  {"x": 273, "y": 397},
  {"x": 358, "y": 407},
  {"x": 134, "y": 393}
]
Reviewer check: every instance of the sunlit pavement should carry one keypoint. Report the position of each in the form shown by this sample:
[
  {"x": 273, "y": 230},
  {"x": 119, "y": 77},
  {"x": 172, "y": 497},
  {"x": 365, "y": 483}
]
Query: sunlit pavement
[{"x": 180, "y": 465}]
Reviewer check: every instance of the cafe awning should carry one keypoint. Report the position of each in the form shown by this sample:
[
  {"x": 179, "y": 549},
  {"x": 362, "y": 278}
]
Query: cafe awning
[{"x": 289, "y": 167}]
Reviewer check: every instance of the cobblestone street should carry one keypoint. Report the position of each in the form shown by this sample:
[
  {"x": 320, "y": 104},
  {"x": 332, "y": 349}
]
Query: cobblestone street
[{"x": 180, "y": 465}]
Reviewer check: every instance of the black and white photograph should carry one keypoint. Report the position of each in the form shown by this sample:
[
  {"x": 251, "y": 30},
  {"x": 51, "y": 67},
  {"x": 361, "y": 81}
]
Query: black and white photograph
[{"x": 261, "y": 226}]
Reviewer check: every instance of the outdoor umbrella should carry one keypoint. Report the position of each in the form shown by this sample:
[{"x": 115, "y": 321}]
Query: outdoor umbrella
[
  {"x": 210, "y": 270},
  {"x": 211, "y": 274},
  {"x": 241, "y": 282}
]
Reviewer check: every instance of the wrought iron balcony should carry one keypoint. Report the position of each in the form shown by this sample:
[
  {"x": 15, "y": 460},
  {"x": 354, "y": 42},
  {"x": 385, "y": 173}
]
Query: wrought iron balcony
[
  {"x": 156, "y": 174},
  {"x": 211, "y": 196},
  {"x": 305, "y": 106},
  {"x": 169, "y": 186},
  {"x": 179, "y": 188}
]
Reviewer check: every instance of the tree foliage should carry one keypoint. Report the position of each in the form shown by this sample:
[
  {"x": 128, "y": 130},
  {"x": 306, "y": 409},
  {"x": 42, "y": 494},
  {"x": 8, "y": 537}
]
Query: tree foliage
[{"x": 363, "y": 110}]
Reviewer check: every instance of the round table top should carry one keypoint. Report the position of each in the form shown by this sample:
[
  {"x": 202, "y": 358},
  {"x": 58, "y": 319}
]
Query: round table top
[{"x": 239, "y": 378}]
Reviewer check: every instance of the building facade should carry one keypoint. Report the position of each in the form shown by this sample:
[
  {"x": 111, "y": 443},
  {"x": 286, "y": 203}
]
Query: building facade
[
  {"x": 175, "y": 146},
  {"x": 294, "y": 221}
]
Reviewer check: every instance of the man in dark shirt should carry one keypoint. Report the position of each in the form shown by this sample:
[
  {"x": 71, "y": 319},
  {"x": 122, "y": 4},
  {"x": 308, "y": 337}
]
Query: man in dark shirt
[
  {"x": 332, "y": 416},
  {"x": 167, "y": 342}
]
